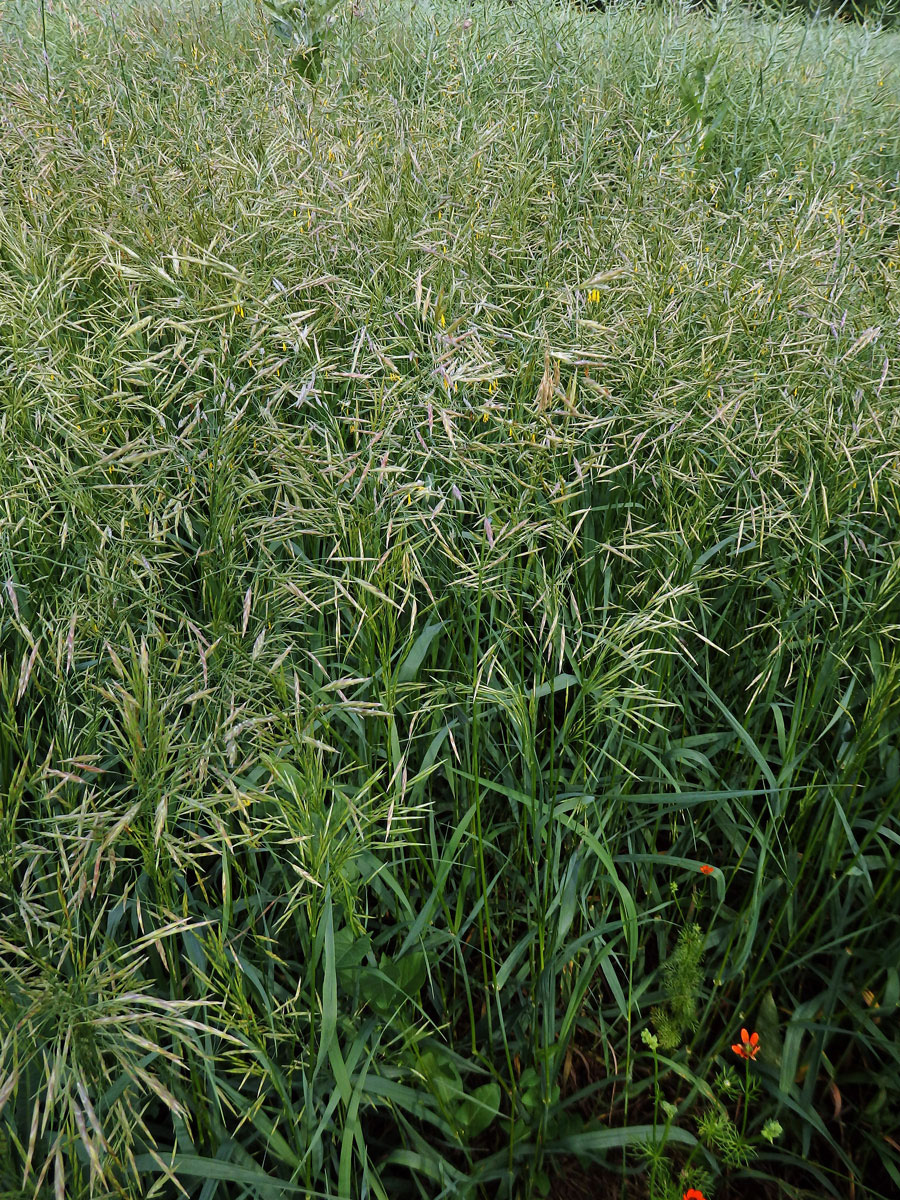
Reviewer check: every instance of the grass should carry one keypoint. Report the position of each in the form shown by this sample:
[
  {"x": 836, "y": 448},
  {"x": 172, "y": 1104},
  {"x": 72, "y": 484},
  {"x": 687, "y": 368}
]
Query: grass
[{"x": 446, "y": 501}]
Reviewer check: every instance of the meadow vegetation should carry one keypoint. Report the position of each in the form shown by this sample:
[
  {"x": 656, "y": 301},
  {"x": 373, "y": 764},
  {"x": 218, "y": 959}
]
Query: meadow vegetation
[{"x": 449, "y": 666}]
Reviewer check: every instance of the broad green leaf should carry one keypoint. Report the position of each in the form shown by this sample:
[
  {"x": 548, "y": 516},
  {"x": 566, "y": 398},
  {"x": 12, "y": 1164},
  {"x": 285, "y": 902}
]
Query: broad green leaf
[
  {"x": 409, "y": 668},
  {"x": 194, "y": 1165},
  {"x": 476, "y": 1112}
]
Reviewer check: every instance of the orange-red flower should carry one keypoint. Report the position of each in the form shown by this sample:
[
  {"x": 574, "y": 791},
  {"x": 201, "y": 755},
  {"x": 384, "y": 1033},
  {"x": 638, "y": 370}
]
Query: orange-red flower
[
  {"x": 706, "y": 869},
  {"x": 693, "y": 1194},
  {"x": 748, "y": 1047}
]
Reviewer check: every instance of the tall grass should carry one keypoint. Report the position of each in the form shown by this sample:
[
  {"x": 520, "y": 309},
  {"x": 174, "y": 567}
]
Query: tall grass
[{"x": 446, "y": 499}]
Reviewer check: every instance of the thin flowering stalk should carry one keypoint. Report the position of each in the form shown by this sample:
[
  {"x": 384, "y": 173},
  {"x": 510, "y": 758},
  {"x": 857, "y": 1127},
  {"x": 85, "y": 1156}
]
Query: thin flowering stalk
[
  {"x": 70, "y": 644},
  {"x": 747, "y": 1049},
  {"x": 46, "y": 57}
]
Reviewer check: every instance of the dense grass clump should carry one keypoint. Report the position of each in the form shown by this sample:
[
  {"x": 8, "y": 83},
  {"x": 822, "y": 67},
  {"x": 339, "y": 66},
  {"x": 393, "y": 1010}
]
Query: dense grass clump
[{"x": 449, "y": 666}]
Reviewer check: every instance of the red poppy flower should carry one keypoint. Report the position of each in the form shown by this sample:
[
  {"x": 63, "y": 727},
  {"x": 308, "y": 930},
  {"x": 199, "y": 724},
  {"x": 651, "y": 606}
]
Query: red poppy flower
[
  {"x": 706, "y": 869},
  {"x": 693, "y": 1194},
  {"x": 748, "y": 1047}
]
